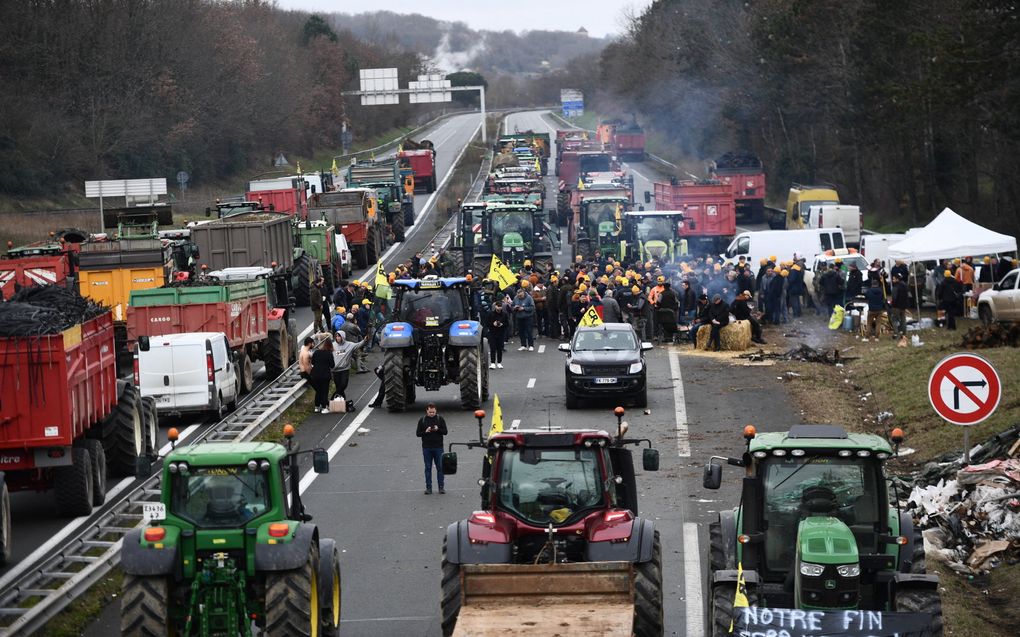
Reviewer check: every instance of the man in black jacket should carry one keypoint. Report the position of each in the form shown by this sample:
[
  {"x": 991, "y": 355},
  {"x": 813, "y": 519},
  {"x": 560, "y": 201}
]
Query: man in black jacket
[
  {"x": 719, "y": 317},
  {"x": 741, "y": 309},
  {"x": 431, "y": 429},
  {"x": 899, "y": 301}
]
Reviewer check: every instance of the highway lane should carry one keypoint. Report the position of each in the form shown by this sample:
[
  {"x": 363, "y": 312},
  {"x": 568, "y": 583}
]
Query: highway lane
[{"x": 36, "y": 522}]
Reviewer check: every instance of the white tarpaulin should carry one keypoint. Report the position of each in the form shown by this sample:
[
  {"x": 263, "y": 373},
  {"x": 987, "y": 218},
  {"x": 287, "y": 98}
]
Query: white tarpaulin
[{"x": 950, "y": 236}]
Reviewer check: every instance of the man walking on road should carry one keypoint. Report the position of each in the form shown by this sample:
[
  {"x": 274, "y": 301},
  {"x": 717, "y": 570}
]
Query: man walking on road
[{"x": 431, "y": 429}]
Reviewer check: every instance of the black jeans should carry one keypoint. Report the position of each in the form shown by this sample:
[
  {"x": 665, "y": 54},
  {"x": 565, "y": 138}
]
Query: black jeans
[
  {"x": 340, "y": 379},
  {"x": 714, "y": 336},
  {"x": 321, "y": 387}
]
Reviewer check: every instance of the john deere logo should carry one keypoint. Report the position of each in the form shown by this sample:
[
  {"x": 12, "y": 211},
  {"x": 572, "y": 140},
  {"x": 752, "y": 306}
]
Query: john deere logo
[{"x": 830, "y": 584}]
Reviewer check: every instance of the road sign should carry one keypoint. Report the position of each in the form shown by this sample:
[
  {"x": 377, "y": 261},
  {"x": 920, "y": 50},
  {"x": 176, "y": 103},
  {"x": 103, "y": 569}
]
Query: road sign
[{"x": 964, "y": 389}]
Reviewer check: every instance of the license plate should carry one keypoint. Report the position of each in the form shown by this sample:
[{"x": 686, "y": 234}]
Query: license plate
[
  {"x": 163, "y": 400},
  {"x": 605, "y": 381},
  {"x": 153, "y": 511}
]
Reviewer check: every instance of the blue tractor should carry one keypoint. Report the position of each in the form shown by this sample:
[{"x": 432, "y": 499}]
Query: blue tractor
[{"x": 431, "y": 341}]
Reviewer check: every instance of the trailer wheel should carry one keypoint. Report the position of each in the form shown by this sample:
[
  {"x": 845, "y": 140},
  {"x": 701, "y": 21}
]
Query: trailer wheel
[
  {"x": 648, "y": 594},
  {"x": 917, "y": 600},
  {"x": 292, "y": 599},
  {"x": 73, "y": 485},
  {"x": 144, "y": 607},
  {"x": 450, "y": 601},
  {"x": 98, "y": 457},
  {"x": 393, "y": 380},
  {"x": 304, "y": 267},
  {"x": 470, "y": 378},
  {"x": 150, "y": 424},
  {"x": 276, "y": 354},
  {"x": 330, "y": 592},
  {"x": 122, "y": 433},
  {"x": 5, "y": 523},
  {"x": 245, "y": 374},
  {"x": 722, "y": 613}
]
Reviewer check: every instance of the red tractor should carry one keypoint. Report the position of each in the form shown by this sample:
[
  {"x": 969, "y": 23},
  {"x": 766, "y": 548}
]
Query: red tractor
[{"x": 558, "y": 537}]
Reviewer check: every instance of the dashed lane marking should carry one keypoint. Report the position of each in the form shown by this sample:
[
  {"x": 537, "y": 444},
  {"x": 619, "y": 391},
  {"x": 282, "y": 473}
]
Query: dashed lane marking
[
  {"x": 515, "y": 423},
  {"x": 541, "y": 349},
  {"x": 531, "y": 383},
  {"x": 683, "y": 438}
]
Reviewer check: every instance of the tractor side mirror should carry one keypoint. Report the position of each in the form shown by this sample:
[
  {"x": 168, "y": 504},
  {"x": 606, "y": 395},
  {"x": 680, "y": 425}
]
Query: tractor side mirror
[
  {"x": 208, "y": 211},
  {"x": 712, "y": 477},
  {"x": 143, "y": 467},
  {"x": 648, "y": 197},
  {"x": 320, "y": 461},
  {"x": 563, "y": 347},
  {"x": 450, "y": 463},
  {"x": 143, "y": 343},
  {"x": 650, "y": 459}
]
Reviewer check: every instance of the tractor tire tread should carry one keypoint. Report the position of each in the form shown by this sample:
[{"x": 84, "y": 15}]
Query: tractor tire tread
[
  {"x": 393, "y": 379},
  {"x": 289, "y": 599},
  {"x": 118, "y": 432},
  {"x": 302, "y": 280},
  {"x": 648, "y": 613},
  {"x": 275, "y": 357},
  {"x": 144, "y": 606},
  {"x": 470, "y": 390},
  {"x": 72, "y": 484},
  {"x": 920, "y": 600},
  {"x": 450, "y": 601}
]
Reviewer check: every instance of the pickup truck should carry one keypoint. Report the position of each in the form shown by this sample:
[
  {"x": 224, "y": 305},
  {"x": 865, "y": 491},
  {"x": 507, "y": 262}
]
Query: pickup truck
[{"x": 1002, "y": 302}]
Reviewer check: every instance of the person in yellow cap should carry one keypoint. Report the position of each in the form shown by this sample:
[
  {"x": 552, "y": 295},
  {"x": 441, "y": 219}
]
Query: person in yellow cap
[
  {"x": 525, "y": 283},
  {"x": 774, "y": 259},
  {"x": 949, "y": 294},
  {"x": 763, "y": 262}
]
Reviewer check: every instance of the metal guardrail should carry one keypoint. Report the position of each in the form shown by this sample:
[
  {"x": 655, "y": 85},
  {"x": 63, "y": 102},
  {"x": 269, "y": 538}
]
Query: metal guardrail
[{"x": 57, "y": 579}]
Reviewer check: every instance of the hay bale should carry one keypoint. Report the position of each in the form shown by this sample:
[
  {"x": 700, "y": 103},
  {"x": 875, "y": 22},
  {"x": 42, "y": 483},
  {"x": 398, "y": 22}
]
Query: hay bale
[{"x": 735, "y": 337}]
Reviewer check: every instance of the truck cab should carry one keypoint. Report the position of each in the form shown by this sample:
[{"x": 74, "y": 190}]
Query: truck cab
[{"x": 187, "y": 373}]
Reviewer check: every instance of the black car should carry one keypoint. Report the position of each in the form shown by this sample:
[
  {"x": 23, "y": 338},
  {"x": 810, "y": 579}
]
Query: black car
[{"x": 606, "y": 361}]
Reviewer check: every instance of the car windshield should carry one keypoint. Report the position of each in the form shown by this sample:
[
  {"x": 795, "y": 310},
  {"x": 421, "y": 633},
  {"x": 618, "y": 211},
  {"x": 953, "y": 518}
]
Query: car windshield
[
  {"x": 430, "y": 308},
  {"x": 550, "y": 485},
  {"x": 793, "y": 486},
  {"x": 661, "y": 228},
  {"x": 613, "y": 340},
  {"x": 220, "y": 497}
]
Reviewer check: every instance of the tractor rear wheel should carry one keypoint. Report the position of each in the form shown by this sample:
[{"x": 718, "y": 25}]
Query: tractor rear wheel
[
  {"x": 303, "y": 270},
  {"x": 393, "y": 380},
  {"x": 150, "y": 424},
  {"x": 450, "y": 601},
  {"x": 5, "y": 523},
  {"x": 916, "y": 600},
  {"x": 98, "y": 457},
  {"x": 122, "y": 433},
  {"x": 648, "y": 594},
  {"x": 372, "y": 247},
  {"x": 277, "y": 356},
  {"x": 144, "y": 607},
  {"x": 330, "y": 593},
  {"x": 292, "y": 599},
  {"x": 73, "y": 484},
  {"x": 470, "y": 377},
  {"x": 398, "y": 225},
  {"x": 722, "y": 612}
]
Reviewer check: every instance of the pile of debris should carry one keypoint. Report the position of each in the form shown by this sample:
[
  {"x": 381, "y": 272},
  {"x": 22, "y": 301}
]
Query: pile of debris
[
  {"x": 994, "y": 335},
  {"x": 46, "y": 309},
  {"x": 801, "y": 353},
  {"x": 971, "y": 514}
]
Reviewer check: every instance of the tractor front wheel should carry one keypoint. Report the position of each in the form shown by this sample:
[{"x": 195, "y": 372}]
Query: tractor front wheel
[
  {"x": 144, "y": 607},
  {"x": 450, "y": 601},
  {"x": 648, "y": 594},
  {"x": 722, "y": 611},
  {"x": 393, "y": 380},
  {"x": 292, "y": 600},
  {"x": 917, "y": 600}
]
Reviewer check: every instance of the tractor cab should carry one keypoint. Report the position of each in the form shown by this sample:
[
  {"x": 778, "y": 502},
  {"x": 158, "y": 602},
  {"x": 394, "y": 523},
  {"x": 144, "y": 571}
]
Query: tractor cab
[
  {"x": 514, "y": 232},
  {"x": 431, "y": 303},
  {"x": 653, "y": 234},
  {"x": 600, "y": 224}
]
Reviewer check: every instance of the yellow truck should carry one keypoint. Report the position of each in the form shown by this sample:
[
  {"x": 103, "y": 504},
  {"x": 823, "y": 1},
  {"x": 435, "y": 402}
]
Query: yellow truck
[{"x": 798, "y": 204}]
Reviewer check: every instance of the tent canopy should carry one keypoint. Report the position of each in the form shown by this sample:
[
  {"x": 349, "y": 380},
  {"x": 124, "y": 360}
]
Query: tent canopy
[{"x": 950, "y": 236}]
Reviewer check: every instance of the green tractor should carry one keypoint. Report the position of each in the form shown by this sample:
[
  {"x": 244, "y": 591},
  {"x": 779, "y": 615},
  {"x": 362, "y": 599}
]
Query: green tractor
[
  {"x": 515, "y": 233},
  {"x": 818, "y": 536},
  {"x": 224, "y": 551},
  {"x": 317, "y": 240},
  {"x": 652, "y": 234},
  {"x": 600, "y": 225}
]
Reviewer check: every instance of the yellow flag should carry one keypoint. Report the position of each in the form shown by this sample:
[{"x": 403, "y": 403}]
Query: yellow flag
[
  {"x": 501, "y": 274},
  {"x": 580, "y": 184},
  {"x": 382, "y": 283},
  {"x": 373, "y": 155},
  {"x": 619, "y": 219},
  {"x": 334, "y": 169},
  {"x": 299, "y": 168},
  {"x": 538, "y": 167},
  {"x": 497, "y": 417},
  {"x": 591, "y": 318},
  {"x": 740, "y": 599}
]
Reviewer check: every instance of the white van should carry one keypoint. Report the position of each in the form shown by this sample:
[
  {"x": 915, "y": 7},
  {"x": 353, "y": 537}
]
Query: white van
[
  {"x": 783, "y": 244},
  {"x": 847, "y": 218},
  {"x": 876, "y": 246},
  {"x": 187, "y": 373}
]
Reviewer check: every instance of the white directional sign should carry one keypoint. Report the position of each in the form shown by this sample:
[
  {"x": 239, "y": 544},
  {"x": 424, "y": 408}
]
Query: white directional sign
[
  {"x": 429, "y": 88},
  {"x": 379, "y": 86}
]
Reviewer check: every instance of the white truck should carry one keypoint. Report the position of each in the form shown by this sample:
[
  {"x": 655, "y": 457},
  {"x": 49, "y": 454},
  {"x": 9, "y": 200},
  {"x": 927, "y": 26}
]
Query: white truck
[
  {"x": 849, "y": 219},
  {"x": 1002, "y": 302},
  {"x": 188, "y": 373},
  {"x": 783, "y": 244}
]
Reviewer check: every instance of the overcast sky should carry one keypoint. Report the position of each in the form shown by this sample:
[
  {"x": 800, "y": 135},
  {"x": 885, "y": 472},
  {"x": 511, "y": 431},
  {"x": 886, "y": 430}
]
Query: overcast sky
[{"x": 599, "y": 17}]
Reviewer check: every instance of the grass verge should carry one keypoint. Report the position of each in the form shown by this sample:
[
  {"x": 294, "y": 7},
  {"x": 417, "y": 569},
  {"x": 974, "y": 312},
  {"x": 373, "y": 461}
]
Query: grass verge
[{"x": 73, "y": 620}]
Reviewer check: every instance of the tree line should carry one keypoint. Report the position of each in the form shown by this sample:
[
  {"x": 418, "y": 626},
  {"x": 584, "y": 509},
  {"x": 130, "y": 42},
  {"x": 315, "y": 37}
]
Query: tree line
[
  {"x": 905, "y": 106},
  {"x": 144, "y": 88}
]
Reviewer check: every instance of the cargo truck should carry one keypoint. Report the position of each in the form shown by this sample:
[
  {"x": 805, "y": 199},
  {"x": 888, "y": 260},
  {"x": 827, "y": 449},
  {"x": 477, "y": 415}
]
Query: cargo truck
[
  {"x": 710, "y": 219},
  {"x": 744, "y": 172},
  {"x": 281, "y": 194},
  {"x": 384, "y": 178},
  {"x": 420, "y": 157},
  {"x": 352, "y": 212},
  {"x": 65, "y": 419},
  {"x": 47, "y": 262},
  {"x": 237, "y": 302},
  {"x": 798, "y": 203}
]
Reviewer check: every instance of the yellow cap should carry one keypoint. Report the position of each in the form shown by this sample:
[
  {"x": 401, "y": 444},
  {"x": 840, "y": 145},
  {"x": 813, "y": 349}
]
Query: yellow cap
[
  {"x": 773, "y": 259},
  {"x": 795, "y": 267},
  {"x": 636, "y": 290},
  {"x": 718, "y": 267},
  {"x": 578, "y": 258},
  {"x": 554, "y": 278},
  {"x": 525, "y": 283},
  {"x": 838, "y": 260},
  {"x": 582, "y": 287},
  {"x": 987, "y": 259},
  {"x": 947, "y": 274},
  {"x": 356, "y": 282},
  {"x": 366, "y": 303},
  {"x": 784, "y": 272},
  {"x": 527, "y": 262},
  {"x": 660, "y": 279},
  {"x": 763, "y": 261},
  {"x": 957, "y": 261},
  {"x": 341, "y": 309},
  {"x": 609, "y": 267}
]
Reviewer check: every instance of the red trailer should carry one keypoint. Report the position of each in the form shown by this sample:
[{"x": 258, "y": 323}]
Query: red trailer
[
  {"x": 43, "y": 263},
  {"x": 65, "y": 419},
  {"x": 293, "y": 201},
  {"x": 629, "y": 144},
  {"x": 743, "y": 171},
  {"x": 423, "y": 162},
  {"x": 710, "y": 220}
]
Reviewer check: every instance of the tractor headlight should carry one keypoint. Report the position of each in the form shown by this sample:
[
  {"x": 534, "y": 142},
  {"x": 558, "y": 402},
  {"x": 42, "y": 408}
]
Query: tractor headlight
[
  {"x": 172, "y": 467},
  {"x": 264, "y": 465},
  {"x": 811, "y": 570},
  {"x": 253, "y": 465},
  {"x": 849, "y": 570},
  {"x": 636, "y": 367},
  {"x": 575, "y": 368}
]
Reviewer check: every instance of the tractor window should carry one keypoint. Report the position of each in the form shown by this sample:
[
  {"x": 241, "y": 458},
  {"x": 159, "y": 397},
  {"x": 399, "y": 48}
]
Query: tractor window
[
  {"x": 600, "y": 211},
  {"x": 220, "y": 497},
  {"x": 852, "y": 484},
  {"x": 430, "y": 308},
  {"x": 660, "y": 228},
  {"x": 550, "y": 485},
  {"x": 510, "y": 223},
  {"x": 594, "y": 164}
]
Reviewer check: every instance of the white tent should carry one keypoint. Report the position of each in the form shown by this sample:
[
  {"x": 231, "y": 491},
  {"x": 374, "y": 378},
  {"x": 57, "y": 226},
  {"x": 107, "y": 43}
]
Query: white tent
[{"x": 950, "y": 236}]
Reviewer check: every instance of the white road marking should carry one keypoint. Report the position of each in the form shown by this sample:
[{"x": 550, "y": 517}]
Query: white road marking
[
  {"x": 309, "y": 478},
  {"x": 541, "y": 349},
  {"x": 531, "y": 383},
  {"x": 683, "y": 438},
  {"x": 692, "y": 581},
  {"x": 515, "y": 423}
]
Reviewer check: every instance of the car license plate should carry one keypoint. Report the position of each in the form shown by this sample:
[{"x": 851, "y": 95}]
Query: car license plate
[
  {"x": 163, "y": 400},
  {"x": 153, "y": 511},
  {"x": 605, "y": 381}
]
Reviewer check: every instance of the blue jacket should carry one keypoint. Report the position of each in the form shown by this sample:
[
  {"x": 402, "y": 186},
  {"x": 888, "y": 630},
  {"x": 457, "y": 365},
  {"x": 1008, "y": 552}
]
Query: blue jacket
[
  {"x": 527, "y": 305},
  {"x": 338, "y": 322},
  {"x": 875, "y": 298}
]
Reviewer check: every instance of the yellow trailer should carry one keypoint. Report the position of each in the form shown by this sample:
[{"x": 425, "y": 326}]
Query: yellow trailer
[{"x": 112, "y": 287}]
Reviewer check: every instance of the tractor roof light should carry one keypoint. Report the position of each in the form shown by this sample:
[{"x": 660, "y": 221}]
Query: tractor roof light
[
  {"x": 253, "y": 465},
  {"x": 750, "y": 432},
  {"x": 264, "y": 465},
  {"x": 288, "y": 431},
  {"x": 881, "y": 455},
  {"x": 760, "y": 454},
  {"x": 863, "y": 453},
  {"x": 172, "y": 467},
  {"x": 797, "y": 453},
  {"x": 779, "y": 452},
  {"x": 154, "y": 534},
  {"x": 845, "y": 453},
  {"x": 744, "y": 538}
]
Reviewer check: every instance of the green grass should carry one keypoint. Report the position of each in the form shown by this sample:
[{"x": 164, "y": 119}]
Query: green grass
[
  {"x": 295, "y": 415},
  {"x": 980, "y": 607},
  {"x": 73, "y": 620}
]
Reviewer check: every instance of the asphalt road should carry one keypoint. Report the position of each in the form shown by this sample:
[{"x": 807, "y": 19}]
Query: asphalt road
[{"x": 390, "y": 533}]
